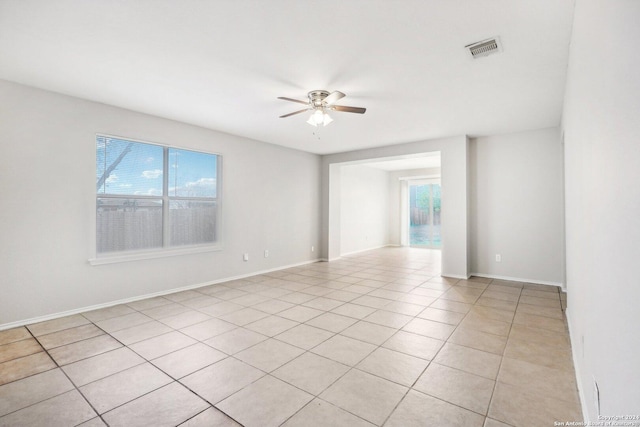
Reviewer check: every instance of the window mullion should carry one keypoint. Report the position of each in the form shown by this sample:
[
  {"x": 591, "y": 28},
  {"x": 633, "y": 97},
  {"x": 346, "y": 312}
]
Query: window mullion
[{"x": 165, "y": 198}]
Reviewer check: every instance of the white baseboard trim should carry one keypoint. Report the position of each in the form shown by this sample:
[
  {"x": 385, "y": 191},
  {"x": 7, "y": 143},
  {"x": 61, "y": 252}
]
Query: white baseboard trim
[
  {"x": 141, "y": 297},
  {"x": 364, "y": 250},
  {"x": 455, "y": 276},
  {"x": 576, "y": 369},
  {"x": 518, "y": 279}
]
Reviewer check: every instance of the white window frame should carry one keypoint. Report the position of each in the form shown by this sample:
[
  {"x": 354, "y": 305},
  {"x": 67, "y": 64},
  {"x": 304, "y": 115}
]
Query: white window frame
[{"x": 165, "y": 250}]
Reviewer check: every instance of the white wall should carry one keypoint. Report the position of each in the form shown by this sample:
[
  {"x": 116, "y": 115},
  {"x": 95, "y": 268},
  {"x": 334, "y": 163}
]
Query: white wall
[
  {"x": 47, "y": 218},
  {"x": 454, "y": 197},
  {"x": 601, "y": 121},
  {"x": 517, "y": 206},
  {"x": 396, "y": 217},
  {"x": 364, "y": 205}
]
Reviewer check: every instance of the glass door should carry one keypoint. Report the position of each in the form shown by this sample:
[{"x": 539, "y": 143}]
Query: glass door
[{"x": 424, "y": 214}]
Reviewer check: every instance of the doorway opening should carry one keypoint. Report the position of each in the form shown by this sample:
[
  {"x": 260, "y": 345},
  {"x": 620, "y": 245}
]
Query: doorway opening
[{"x": 424, "y": 214}]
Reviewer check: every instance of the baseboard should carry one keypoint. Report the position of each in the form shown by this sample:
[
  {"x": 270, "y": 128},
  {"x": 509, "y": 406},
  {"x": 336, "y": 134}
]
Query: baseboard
[
  {"x": 365, "y": 250},
  {"x": 455, "y": 276},
  {"x": 518, "y": 279},
  {"x": 141, "y": 297},
  {"x": 576, "y": 369}
]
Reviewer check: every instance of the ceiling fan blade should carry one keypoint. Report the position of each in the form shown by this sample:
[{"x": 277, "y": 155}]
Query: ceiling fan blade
[
  {"x": 333, "y": 97},
  {"x": 346, "y": 109},
  {"x": 294, "y": 113},
  {"x": 293, "y": 100}
]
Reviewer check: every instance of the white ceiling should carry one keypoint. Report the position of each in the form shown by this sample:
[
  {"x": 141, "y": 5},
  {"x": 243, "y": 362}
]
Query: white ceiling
[
  {"x": 221, "y": 64},
  {"x": 423, "y": 161}
]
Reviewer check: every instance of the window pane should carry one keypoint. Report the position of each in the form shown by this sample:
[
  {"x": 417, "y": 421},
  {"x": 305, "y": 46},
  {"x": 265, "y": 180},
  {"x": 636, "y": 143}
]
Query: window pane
[
  {"x": 192, "y": 222},
  {"x": 128, "y": 224},
  {"x": 192, "y": 174},
  {"x": 127, "y": 167}
]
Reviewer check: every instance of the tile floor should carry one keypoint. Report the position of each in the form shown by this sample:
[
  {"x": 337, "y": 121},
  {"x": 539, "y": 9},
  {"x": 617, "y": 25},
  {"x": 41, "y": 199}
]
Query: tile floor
[{"x": 373, "y": 339}]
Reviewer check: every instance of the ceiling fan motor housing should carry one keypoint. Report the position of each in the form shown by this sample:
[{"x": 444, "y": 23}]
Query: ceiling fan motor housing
[{"x": 316, "y": 97}]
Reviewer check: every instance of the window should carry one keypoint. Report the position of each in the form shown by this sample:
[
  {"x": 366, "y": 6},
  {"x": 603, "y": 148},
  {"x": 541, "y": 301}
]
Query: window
[{"x": 151, "y": 197}]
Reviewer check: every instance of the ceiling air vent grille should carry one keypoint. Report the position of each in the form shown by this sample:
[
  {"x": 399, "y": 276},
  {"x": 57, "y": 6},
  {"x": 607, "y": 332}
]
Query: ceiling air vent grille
[{"x": 484, "y": 47}]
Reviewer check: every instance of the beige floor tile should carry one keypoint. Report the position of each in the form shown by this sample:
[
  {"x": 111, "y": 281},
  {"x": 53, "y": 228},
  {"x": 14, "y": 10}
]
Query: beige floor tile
[
  {"x": 296, "y": 297},
  {"x": 442, "y": 316},
  {"x": 373, "y": 302},
  {"x": 161, "y": 345},
  {"x": 493, "y": 313},
  {"x": 48, "y": 412},
  {"x": 18, "y": 349},
  {"x": 489, "y": 422},
  {"x": 271, "y": 326},
  {"x": 353, "y": 310},
  {"x": 141, "y": 332},
  {"x": 365, "y": 395},
  {"x": 183, "y": 295},
  {"x": 83, "y": 349},
  {"x": 23, "y": 367},
  {"x": 278, "y": 402},
  {"x": 300, "y": 313},
  {"x": 539, "y": 380},
  {"x": 148, "y": 303},
  {"x": 537, "y": 310},
  {"x": 167, "y": 406},
  {"x": 210, "y": 417},
  {"x": 484, "y": 324},
  {"x": 108, "y": 312},
  {"x": 469, "y": 360},
  {"x": 542, "y": 336},
  {"x": 208, "y": 329},
  {"x": 166, "y": 310},
  {"x": 404, "y": 308},
  {"x": 543, "y": 302},
  {"x": 249, "y": 300},
  {"x": 200, "y": 302},
  {"x": 541, "y": 354},
  {"x": 274, "y": 292},
  {"x": 515, "y": 289},
  {"x": 419, "y": 410},
  {"x": 220, "y": 380},
  {"x": 269, "y": 355},
  {"x": 101, "y": 366},
  {"x": 468, "y": 296},
  {"x": 414, "y": 345},
  {"x": 551, "y": 293},
  {"x": 393, "y": 366},
  {"x": 516, "y": 407},
  {"x": 36, "y": 388},
  {"x": 185, "y": 319},
  {"x": 304, "y": 336},
  {"x": 319, "y": 413},
  {"x": 120, "y": 388},
  {"x": 369, "y": 332},
  {"x": 235, "y": 340},
  {"x": 324, "y": 304},
  {"x": 94, "y": 422},
  {"x": 123, "y": 322},
  {"x": 503, "y": 296},
  {"x": 359, "y": 289},
  {"x": 56, "y": 325},
  {"x": 273, "y": 306},
  {"x": 344, "y": 350},
  {"x": 311, "y": 373},
  {"x": 188, "y": 360},
  {"x": 429, "y": 328},
  {"x": 69, "y": 336},
  {"x": 387, "y": 294},
  {"x": 427, "y": 292},
  {"x": 479, "y": 340},
  {"x": 388, "y": 318},
  {"x": 244, "y": 316},
  {"x": 331, "y": 322},
  {"x": 460, "y": 388},
  {"x": 12, "y": 335},
  {"x": 343, "y": 296},
  {"x": 540, "y": 322},
  {"x": 221, "y": 308},
  {"x": 458, "y": 307},
  {"x": 496, "y": 303}
]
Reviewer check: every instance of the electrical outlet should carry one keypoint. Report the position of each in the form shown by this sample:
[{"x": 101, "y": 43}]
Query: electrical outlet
[
  {"x": 498, "y": 258},
  {"x": 266, "y": 254},
  {"x": 245, "y": 257}
]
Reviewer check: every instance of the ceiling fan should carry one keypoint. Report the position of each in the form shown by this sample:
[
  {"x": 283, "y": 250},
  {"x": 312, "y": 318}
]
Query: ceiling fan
[{"x": 320, "y": 102}]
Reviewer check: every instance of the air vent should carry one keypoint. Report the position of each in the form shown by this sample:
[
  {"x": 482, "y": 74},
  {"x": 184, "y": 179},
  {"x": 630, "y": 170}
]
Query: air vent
[{"x": 484, "y": 47}]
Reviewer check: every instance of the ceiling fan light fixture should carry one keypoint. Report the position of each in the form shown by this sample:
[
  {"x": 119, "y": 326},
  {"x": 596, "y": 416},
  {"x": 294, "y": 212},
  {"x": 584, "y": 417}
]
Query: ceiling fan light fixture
[{"x": 319, "y": 117}]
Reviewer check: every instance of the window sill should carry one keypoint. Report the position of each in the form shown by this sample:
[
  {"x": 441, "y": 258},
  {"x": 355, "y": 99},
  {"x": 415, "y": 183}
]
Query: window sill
[{"x": 136, "y": 256}]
